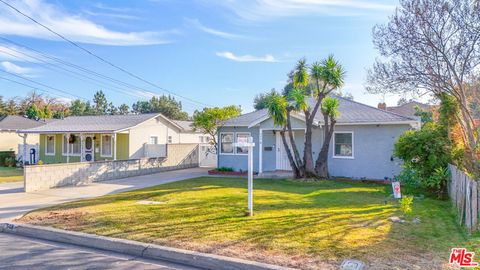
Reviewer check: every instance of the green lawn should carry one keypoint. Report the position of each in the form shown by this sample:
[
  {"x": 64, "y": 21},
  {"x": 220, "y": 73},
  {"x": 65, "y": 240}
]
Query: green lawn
[
  {"x": 307, "y": 225},
  {"x": 8, "y": 174}
]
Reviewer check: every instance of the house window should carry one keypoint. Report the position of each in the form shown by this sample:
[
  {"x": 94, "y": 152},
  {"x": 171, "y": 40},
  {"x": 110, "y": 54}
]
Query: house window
[
  {"x": 153, "y": 140},
  {"x": 201, "y": 139},
  {"x": 106, "y": 146},
  {"x": 343, "y": 144},
  {"x": 170, "y": 139},
  {"x": 242, "y": 138},
  {"x": 50, "y": 145},
  {"x": 71, "y": 144},
  {"x": 226, "y": 143}
]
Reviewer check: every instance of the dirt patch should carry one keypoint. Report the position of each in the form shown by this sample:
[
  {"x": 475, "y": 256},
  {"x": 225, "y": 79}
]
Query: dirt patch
[{"x": 68, "y": 218}]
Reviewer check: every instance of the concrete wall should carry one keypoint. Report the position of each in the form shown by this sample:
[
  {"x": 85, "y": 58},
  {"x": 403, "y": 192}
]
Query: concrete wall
[
  {"x": 9, "y": 141},
  {"x": 41, "y": 177}
]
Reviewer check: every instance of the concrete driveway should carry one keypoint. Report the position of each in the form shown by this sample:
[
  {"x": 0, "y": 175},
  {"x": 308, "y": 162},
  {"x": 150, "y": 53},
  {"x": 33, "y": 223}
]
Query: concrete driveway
[{"x": 14, "y": 203}]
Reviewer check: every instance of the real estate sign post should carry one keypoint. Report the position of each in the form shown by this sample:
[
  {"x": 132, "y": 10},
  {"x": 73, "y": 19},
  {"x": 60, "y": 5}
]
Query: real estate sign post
[{"x": 250, "y": 144}]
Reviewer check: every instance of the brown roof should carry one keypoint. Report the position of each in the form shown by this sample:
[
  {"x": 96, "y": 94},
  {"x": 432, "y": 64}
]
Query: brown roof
[{"x": 408, "y": 109}]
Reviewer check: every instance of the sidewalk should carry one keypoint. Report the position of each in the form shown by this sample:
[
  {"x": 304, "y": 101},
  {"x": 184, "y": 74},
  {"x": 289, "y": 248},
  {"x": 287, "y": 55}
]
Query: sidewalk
[{"x": 15, "y": 203}]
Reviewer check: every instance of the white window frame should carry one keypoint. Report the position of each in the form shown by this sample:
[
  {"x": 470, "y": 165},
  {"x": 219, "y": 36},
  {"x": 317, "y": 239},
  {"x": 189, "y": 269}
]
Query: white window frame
[
  {"x": 54, "y": 145},
  {"x": 233, "y": 144},
  {"x": 70, "y": 153},
  {"x": 150, "y": 139},
  {"x": 235, "y": 140},
  {"x": 169, "y": 139},
  {"x": 353, "y": 145},
  {"x": 101, "y": 145}
]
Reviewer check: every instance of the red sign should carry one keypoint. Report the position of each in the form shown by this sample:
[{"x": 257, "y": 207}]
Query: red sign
[
  {"x": 396, "y": 190},
  {"x": 462, "y": 258}
]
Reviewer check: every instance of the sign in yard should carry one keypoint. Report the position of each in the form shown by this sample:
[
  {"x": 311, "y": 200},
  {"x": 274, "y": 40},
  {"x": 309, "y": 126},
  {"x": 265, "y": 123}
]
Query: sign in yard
[
  {"x": 248, "y": 142},
  {"x": 396, "y": 190}
]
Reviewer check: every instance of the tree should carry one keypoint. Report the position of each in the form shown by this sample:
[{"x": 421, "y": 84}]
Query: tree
[
  {"x": 330, "y": 113},
  {"x": 260, "y": 100},
  {"x": 100, "y": 103},
  {"x": 2, "y": 107},
  {"x": 11, "y": 107},
  {"x": 112, "y": 110},
  {"x": 209, "y": 120},
  {"x": 432, "y": 47},
  {"x": 33, "y": 112},
  {"x": 166, "y": 105},
  {"x": 123, "y": 109},
  {"x": 78, "y": 107}
]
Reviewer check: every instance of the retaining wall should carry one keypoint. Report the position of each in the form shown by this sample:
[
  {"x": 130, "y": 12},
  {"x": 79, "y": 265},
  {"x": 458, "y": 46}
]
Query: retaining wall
[{"x": 42, "y": 177}]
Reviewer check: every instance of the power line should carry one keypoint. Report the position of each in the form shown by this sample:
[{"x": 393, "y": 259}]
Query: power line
[
  {"x": 99, "y": 57},
  {"x": 42, "y": 84},
  {"x": 33, "y": 87}
]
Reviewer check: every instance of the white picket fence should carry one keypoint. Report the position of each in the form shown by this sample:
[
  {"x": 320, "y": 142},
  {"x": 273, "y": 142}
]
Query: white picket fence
[{"x": 464, "y": 193}]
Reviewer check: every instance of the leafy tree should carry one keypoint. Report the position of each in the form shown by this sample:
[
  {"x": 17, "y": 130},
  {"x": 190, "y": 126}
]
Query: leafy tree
[
  {"x": 33, "y": 112},
  {"x": 432, "y": 47},
  {"x": 78, "y": 107},
  {"x": 2, "y": 107},
  {"x": 209, "y": 120},
  {"x": 425, "y": 116},
  {"x": 166, "y": 105},
  {"x": 11, "y": 107},
  {"x": 123, "y": 109},
  {"x": 260, "y": 100},
  {"x": 100, "y": 103}
]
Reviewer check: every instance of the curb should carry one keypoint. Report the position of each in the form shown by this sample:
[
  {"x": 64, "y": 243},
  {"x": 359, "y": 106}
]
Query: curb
[{"x": 137, "y": 249}]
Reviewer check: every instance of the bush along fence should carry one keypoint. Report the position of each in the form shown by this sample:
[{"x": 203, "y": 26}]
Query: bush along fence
[{"x": 464, "y": 193}]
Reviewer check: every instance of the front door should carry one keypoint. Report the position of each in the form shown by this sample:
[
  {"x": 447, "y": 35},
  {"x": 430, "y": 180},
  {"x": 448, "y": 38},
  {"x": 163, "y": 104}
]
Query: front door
[
  {"x": 282, "y": 161},
  {"x": 88, "y": 149}
]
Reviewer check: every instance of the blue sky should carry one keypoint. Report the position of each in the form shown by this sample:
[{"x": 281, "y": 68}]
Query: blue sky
[{"x": 215, "y": 52}]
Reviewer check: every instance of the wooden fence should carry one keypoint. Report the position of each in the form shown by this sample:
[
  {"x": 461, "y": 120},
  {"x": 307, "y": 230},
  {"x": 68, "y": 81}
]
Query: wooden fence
[{"x": 464, "y": 194}]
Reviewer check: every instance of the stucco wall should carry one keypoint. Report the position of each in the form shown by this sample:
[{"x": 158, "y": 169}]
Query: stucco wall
[
  {"x": 41, "y": 177},
  {"x": 373, "y": 150},
  {"x": 9, "y": 141}
]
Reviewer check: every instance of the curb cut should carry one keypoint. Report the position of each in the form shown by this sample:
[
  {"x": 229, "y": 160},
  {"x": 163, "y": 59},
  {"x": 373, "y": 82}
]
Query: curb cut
[{"x": 137, "y": 249}]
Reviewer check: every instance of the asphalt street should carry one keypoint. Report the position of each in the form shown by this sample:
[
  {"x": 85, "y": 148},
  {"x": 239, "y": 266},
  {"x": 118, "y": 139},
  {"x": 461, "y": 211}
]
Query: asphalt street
[{"x": 17, "y": 252}]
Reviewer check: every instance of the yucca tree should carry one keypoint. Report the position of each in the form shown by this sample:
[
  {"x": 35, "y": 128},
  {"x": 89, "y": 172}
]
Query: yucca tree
[
  {"x": 329, "y": 76},
  {"x": 278, "y": 109},
  {"x": 297, "y": 103}
]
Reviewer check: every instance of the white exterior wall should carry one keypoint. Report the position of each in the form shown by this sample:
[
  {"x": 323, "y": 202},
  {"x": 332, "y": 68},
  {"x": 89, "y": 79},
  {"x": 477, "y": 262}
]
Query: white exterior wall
[{"x": 9, "y": 141}]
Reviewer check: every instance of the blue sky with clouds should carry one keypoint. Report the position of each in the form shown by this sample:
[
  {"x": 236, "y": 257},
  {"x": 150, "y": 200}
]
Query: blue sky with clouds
[{"x": 215, "y": 52}]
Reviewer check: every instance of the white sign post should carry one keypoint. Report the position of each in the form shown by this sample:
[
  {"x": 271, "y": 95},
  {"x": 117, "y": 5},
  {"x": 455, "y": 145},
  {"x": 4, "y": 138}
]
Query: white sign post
[{"x": 250, "y": 144}]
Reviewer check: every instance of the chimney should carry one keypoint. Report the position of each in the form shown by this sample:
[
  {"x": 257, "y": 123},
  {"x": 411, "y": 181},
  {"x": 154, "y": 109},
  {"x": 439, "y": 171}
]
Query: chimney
[{"x": 382, "y": 106}]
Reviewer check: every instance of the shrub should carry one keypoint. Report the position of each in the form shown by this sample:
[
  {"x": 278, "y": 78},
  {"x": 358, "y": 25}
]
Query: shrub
[
  {"x": 225, "y": 169},
  {"x": 10, "y": 162},
  {"x": 438, "y": 180},
  {"x": 424, "y": 151},
  {"x": 4, "y": 155},
  {"x": 406, "y": 204},
  {"x": 409, "y": 177}
]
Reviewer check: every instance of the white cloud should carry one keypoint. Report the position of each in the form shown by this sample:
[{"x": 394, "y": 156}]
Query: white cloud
[
  {"x": 73, "y": 26},
  {"x": 247, "y": 57},
  {"x": 12, "y": 68},
  {"x": 257, "y": 10},
  {"x": 197, "y": 24}
]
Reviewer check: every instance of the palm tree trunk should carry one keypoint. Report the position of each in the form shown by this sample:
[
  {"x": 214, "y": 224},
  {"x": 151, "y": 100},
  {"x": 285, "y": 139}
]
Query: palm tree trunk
[
  {"x": 295, "y": 170},
  {"x": 296, "y": 154},
  {"x": 321, "y": 165}
]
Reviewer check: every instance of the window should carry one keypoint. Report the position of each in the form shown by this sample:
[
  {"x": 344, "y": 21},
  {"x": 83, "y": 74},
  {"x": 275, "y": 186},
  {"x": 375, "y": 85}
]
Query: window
[
  {"x": 50, "y": 145},
  {"x": 201, "y": 139},
  {"x": 170, "y": 139},
  {"x": 72, "y": 143},
  {"x": 153, "y": 140},
  {"x": 343, "y": 144},
  {"x": 106, "y": 146},
  {"x": 242, "y": 138},
  {"x": 226, "y": 143}
]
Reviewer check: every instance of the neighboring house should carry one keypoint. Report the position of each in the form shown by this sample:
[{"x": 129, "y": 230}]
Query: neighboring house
[
  {"x": 361, "y": 147},
  {"x": 110, "y": 137},
  {"x": 9, "y": 125},
  {"x": 407, "y": 109}
]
